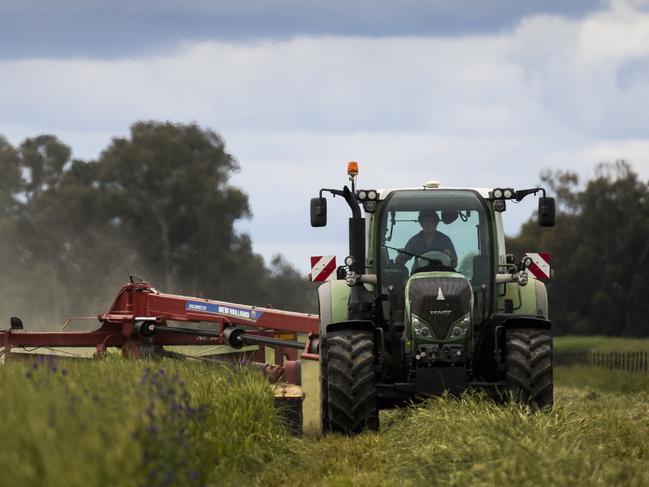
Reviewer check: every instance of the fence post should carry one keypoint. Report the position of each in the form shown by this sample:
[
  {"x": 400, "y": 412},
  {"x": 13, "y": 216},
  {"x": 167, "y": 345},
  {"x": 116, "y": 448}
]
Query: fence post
[
  {"x": 629, "y": 361},
  {"x": 619, "y": 360}
]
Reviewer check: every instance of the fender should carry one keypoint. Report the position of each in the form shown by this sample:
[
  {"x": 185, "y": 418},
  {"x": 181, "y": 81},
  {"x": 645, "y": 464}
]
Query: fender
[
  {"x": 530, "y": 300},
  {"x": 333, "y": 297}
]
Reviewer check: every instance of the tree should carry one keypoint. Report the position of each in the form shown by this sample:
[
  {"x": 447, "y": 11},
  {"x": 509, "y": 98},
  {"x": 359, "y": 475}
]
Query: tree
[
  {"x": 600, "y": 252},
  {"x": 167, "y": 188},
  {"x": 157, "y": 204},
  {"x": 11, "y": 182},
  {"x": 44, "y": 158}
]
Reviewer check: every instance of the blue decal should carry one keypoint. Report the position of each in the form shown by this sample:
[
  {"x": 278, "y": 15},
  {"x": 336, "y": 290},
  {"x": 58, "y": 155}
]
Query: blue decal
[{"x": 220, "y": 309}]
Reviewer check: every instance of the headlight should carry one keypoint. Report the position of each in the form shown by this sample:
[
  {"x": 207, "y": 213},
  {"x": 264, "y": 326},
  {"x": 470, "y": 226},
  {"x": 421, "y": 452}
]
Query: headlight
[
  {"x": 421, "y": 328},
  {"x": 460, "y": 328}
]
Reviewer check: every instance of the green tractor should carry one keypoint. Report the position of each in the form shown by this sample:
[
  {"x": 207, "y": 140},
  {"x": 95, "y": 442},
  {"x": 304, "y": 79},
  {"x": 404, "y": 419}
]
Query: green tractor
[{"x": 429, "y": 301}]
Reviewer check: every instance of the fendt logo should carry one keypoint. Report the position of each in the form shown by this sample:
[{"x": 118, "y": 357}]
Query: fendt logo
[{"x": 440, "y": 312}]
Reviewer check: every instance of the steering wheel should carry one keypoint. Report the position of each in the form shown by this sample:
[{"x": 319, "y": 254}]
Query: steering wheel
[{"x": 434, "y": 255}]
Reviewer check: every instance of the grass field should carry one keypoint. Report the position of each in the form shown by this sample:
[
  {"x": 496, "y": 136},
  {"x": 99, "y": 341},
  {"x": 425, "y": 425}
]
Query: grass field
[
  {"x": 600, "y": 344},
  {"x": 129, "y": 423},
  {"x": 598, "y": 434}
]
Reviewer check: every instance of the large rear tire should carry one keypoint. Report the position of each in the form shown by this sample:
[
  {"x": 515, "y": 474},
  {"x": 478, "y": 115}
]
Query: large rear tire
[
  {"x": 351, "y": 382},
  {"x": 529, "y": 366}
]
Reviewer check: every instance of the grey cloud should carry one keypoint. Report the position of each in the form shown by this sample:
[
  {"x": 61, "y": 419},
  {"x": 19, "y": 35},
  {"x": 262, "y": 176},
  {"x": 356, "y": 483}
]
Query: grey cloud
[{"x": 124, "y": 28}]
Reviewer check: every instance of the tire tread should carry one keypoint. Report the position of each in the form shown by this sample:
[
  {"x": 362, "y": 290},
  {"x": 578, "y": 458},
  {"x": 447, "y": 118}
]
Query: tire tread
[
  {"x": 529, "y": 366},
  {"x": 351, "y": 382}
]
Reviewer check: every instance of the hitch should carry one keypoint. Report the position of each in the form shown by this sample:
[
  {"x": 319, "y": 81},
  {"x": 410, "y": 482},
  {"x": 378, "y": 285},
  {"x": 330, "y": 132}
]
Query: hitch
[
  {"x": 233, "y": 336},
  {"x": 237, "y": 338}
]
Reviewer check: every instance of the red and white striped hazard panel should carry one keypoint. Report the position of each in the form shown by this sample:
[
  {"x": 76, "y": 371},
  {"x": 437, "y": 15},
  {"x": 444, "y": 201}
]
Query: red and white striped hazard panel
[
  {"x": 540, "y": 267},
  {"x": 323, "y": 268}
]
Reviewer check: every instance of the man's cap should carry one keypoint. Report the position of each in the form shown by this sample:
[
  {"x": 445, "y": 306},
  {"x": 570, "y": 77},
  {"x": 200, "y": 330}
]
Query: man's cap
[{"x": 427, "y": 214}]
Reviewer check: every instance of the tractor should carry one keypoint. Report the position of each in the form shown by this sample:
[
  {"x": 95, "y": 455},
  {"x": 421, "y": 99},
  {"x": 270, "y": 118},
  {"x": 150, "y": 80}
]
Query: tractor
[{"x": 429, "y": 302}]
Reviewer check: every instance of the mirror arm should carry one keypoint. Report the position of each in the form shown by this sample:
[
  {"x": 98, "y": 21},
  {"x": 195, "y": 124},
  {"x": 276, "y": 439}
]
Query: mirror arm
[
  {"x": 350, "y": 198},
  {"x": 520, "y": 194},
  {"x": 334, "y": 192}
]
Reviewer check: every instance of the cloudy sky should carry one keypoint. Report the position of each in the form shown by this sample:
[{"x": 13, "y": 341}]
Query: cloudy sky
[{"x": 471, "y": 93}]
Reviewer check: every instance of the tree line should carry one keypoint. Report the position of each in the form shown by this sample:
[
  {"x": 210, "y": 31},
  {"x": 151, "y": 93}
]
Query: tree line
[
  {"x": 600, "y": 251},
  {"x": 157, "y": 204}
]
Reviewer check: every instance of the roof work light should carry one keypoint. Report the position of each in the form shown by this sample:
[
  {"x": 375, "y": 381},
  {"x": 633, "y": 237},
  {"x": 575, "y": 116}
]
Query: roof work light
[
  {"x": 503, "y": 193},
  {"x": 367, "y": 194}
]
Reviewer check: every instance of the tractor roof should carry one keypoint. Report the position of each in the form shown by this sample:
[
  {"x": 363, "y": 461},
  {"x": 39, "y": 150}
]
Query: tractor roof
[{"x": 383, "y": 193}]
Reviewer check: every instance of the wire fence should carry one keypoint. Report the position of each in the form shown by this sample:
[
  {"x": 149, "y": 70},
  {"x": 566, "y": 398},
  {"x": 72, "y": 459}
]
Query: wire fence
[{"x": 629, "y": 361}]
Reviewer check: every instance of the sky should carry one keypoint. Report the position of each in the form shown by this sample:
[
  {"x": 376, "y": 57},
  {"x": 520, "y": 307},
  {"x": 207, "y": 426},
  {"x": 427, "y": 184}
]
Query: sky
[{"x": 469, "y": 93}]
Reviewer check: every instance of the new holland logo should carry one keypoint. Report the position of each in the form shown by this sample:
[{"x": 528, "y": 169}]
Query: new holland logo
[{"x": 440, "y": 295}]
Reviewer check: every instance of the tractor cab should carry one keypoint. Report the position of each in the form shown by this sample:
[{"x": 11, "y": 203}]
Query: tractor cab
[
  {"x": 460, "y": 243},
  {"x": 435, "y": 265}
]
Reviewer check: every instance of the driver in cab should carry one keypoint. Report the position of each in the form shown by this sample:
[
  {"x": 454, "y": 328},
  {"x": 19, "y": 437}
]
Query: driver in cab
[{"x": 428, "y": 240}]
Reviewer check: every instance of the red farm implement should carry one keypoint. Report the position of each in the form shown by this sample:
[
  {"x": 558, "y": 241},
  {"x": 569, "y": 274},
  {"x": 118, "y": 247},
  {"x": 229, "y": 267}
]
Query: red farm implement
[{"x": 143, "y": 321}]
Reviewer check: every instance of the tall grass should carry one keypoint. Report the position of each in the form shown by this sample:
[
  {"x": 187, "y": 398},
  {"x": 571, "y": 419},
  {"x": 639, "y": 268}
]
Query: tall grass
[
  {"x": 116, "y": 422},
  {"x": 130, "y": 423},
  {"x": 598, "y": 434}
]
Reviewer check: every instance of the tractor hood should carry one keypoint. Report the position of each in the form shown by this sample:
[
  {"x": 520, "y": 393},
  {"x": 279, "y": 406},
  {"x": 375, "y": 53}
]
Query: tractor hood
[{"x": 439, "y": 300}]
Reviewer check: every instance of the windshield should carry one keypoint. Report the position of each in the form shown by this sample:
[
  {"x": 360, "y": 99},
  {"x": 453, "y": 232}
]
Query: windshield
[{"x": 452, "y": 227}]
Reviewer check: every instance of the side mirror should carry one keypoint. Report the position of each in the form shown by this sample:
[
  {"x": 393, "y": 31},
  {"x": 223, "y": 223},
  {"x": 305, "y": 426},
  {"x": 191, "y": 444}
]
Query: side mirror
[
  {"x": 318, "y": 212},
  {"x": 546, "y": 212}
]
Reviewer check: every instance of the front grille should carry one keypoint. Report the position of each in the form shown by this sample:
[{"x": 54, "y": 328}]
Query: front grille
[{"x": 439, "y": 301}]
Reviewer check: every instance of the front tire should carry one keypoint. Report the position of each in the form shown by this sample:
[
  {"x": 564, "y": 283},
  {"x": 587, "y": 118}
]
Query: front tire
[
  {"x": 529, "y": 366},
  {"x": 351, "y": 382}
]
